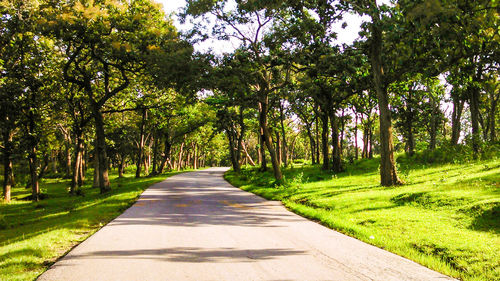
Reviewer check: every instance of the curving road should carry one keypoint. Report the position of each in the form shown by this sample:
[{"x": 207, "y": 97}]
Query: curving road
[{"x": 196, "y": 226}]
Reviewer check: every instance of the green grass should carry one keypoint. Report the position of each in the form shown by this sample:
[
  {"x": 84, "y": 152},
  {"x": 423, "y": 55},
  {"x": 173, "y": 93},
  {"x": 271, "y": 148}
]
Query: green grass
[
  {"x": 34, "y": 235},
  {"x": 446, "y": 217}
]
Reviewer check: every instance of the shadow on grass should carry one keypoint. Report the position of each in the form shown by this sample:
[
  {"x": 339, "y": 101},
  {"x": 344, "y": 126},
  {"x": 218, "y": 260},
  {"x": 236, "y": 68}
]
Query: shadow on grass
[
  {"x": 488, "y": 220},
  {"x": 24, "y": 220}
]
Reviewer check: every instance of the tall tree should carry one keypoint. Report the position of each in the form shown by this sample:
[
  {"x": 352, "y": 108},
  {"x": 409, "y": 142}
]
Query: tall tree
[{"x": 106, "y": 43}]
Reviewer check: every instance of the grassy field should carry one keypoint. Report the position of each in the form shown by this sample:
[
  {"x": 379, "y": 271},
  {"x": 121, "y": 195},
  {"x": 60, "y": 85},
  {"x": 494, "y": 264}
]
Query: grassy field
[
  {"x": 34, "y": 235},
  {"x": 446, "y": 217}
]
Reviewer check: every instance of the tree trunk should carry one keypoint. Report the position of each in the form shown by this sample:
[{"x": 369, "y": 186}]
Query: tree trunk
[
  {"x": 68, "y": 159},
  {"x": 53, "y": 161},
  {"x": 96, "y": 170},
  {"x": 324, "y": 141},
  {"x": 268, "y": 140},
  {"x": 278, "y": 147},
  {"x": 248, "y": 157},
  {"x": 181, "y": 150},
  {"x": 81, "y": 174},
  {"x": 195, "y": 157},
  {"x": 8, "y": 175},
  {"x": 141, "y": 145},
  {"x": 410, "y": 138},
  {"x": 121, "y": 166},
  {"x": 337, "y": 150},
  {"x": 356, "y": 154},
  {"x": 342, "y": 131},
  {"x": 388, "y": 174},
  {"x": 155, "y": 154},
  {"x": 433, "y": 123},
  {"x": 312, "y": 145},
  {"x": 103, "y": 178},
  {"x": 77, "y": 166},
  {"x": 32, "y": 156},
  {"x": 259, "y": 155},
  {"x": 232, "y": 152},
  {"x": 316, "y": 125},
  {"x": 33, "y": 163},
  {"x": 166, "y": 154},
  {"x": 458, "y": 106},
  {"x": 492, "y": 115},
  {"x": 285, "y": 146},
  {"x": 370, "y": 142},
  {"x": 262, "y": 149},
  {"x": 474, "y": 112}
]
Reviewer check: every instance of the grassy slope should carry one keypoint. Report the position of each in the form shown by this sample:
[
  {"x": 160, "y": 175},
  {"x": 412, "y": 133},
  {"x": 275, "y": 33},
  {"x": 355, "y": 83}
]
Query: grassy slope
[
  {"x": 34, "y": 235},
  {"x": 447, "y": 217}
]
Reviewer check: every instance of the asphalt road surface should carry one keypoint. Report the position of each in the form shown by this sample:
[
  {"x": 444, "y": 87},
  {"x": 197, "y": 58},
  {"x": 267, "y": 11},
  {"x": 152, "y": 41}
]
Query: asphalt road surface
[{"x": 196, "y": 226}]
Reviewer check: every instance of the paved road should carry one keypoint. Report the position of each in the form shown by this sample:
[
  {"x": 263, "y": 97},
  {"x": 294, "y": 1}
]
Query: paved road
[{"x": 195, "y": 226}]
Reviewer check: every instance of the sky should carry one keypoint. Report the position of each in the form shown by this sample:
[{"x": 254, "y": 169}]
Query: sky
[{"x": 347, "y": 35}]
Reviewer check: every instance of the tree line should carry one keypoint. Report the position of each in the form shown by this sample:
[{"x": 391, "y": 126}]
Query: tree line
[
  {"x": 102, "y": 82},
  {"x": 106, "y": 84},
  {"x": 388, "y": 82}
]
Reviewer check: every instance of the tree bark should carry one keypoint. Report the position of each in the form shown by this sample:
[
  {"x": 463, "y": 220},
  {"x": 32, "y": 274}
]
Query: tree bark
[
  {"x": 492, "y": 115},
  {"x": 474, "y": 112},
  {"x": 121, "y": 166},
  {"x": 316, "y": 125},
  {"x": 356, "y": 153},
  {"x": 33, "y": 163},
  {"x": 68, "y": 158},
  {"x": 96, "y": 169},
  {"x": 262, "y": 149},
  {"x": 264, "y": 103},
  {"x": 8, "y": 175},
  {"x": 141, "y": 145},
  {"x": 53, "y": 160},
  {"x": 249, "y": 158},
  {"x": 278, "y": 147},
  {"x": 154, "y": 170},
  {"x": 433, "y": 123},
  {"x": 166, "y": 154},
  {"x": 312, "y": 145},
  {"x": 285, "y": 146},
  {"x": 232, "y": 151},
  {"x": 77, "y": 166},
  {"x": 458, "y": 105},
  {"x": 324, "y": 141},
  {"x": 388, "y": 174},
  {"x": 370, "y": 142},
  {"x": 195, "y": 157},
  {"x": 103, "y": 177},
  {"x": 337, "y": 150},
  {"x": 181, "y": 150}
]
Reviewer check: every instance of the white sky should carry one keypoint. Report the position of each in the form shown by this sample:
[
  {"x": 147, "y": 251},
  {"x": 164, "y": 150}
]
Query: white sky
[{"x": 347, "y": 35}]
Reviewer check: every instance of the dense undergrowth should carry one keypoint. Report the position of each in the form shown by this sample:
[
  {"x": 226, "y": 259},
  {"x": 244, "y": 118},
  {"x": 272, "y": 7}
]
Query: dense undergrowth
[
  {"x": 34, "y": 235},
  {"x": 445, "y": 216}
]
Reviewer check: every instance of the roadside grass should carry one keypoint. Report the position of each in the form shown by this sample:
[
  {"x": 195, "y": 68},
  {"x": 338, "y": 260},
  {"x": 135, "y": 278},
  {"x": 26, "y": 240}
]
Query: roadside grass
[
  {"x": 446, "y": 216},
  {"x": 34, "y": 235}
]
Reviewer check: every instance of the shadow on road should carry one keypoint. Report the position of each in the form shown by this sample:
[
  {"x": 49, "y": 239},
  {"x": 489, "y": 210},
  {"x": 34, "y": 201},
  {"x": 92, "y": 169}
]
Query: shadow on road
[
  {"x": 190, "y": 254},
  {"x": 183, "y": 203}
]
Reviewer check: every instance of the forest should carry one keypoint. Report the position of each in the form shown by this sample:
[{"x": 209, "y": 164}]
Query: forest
[{"x": 98, "y": 95}]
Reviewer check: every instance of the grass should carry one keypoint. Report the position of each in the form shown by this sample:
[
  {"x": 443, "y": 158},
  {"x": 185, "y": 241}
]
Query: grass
[
  {"x": 446, "y": 216},
  {"x": 34, "y": 235}
]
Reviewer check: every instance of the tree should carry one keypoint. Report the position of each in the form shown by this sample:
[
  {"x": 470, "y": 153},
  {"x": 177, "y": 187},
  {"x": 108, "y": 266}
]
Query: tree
[
  {"x": 266, "y": 76},
  {"x": 29, "y": 75},
  {"x": 106, "y": 44}
]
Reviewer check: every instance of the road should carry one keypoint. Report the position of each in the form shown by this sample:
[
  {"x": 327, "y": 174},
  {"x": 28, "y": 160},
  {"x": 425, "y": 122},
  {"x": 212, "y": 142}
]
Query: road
[{"x": 196, "y": 226}]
